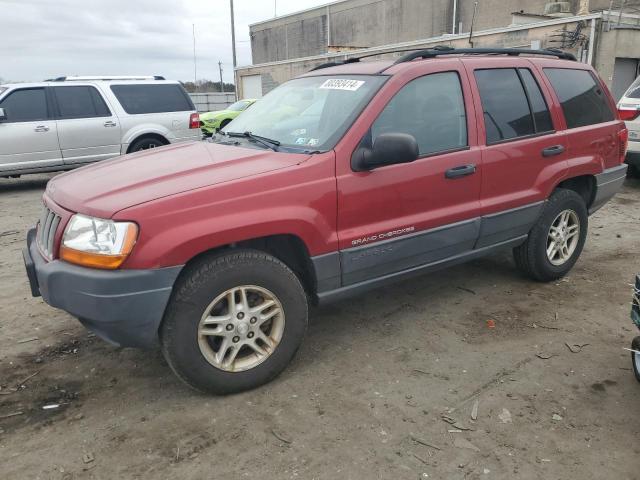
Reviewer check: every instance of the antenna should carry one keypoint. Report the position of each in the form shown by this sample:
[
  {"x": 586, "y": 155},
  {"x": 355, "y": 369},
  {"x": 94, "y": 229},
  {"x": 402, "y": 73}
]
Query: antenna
[{"x": 473, "y": 19}]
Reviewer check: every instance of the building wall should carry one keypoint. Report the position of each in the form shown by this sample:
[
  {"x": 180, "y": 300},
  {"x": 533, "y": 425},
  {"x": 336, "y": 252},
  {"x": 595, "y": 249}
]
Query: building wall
[
  {"x": 371, "y": 23},
  {"x": 352, "y": 23},
  {"x": 274, "y": 74}
]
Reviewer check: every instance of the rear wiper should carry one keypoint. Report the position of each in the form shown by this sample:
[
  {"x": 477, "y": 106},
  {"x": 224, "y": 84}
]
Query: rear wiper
[{"x": 267, "y": 142}]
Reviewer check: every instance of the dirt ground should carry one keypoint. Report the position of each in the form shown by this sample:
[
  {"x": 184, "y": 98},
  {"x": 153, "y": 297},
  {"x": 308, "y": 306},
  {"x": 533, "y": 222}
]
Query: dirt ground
[{"x": 384, "y": 386}]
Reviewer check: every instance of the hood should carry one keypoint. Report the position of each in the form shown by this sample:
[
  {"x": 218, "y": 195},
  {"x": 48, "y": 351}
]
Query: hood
[
  {"x": 104, "y": 188},
  {"x": 212, "y": 115}
]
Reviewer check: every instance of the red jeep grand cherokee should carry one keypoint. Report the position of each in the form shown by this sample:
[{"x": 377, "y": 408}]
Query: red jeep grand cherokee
[{"x": 342, "y": 180}]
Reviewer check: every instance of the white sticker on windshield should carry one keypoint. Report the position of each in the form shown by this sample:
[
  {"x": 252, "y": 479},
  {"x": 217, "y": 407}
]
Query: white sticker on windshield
[{"x": 342, "y": 84}]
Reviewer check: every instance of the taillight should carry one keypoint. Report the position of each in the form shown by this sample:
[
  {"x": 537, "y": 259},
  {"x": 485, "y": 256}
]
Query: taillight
[
  {"x": 623, "y": 138},
  {"x": 194, "y": 120},
  {"x": 628, "y": 113}
]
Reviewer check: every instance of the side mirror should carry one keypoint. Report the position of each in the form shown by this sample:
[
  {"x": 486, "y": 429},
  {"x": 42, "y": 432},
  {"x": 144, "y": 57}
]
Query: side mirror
[
  {"x": 388, "y": 149},
  {"x": 3, "y": 115}
]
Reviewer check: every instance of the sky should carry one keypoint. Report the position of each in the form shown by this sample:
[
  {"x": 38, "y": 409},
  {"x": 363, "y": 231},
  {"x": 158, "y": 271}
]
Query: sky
[{"x": 51, "y": 38}]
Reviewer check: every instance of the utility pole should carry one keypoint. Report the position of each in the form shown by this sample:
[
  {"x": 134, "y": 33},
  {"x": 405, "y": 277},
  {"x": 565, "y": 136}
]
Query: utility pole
[
  {"x": 221, "y": 82},
  {"x": 233, "y": 48},
  {"x": 195, "y": 65}
]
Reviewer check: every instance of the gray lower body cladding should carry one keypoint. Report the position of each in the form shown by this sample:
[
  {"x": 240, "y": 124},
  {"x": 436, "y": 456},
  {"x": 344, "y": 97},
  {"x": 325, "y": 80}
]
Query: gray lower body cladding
[
  {"x": 124, "y": 307},
  {"x": 607, "y": 185}
]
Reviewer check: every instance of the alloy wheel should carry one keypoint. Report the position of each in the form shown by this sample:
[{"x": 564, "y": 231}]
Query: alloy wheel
[
  {"x": 563, "y": 237},
  {"x": 241, "y": 328}
]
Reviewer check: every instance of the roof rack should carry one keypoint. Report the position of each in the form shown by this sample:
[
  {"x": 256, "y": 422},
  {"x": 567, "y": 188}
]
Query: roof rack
[
  {"x": 111, "y": 77},
  {"x": 446, "y": 50}
]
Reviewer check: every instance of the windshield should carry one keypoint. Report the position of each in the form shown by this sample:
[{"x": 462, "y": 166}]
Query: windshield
[
  {"x": 311, "y": 113},
  {"x": 634, "y": 89},
  {"x": 238, "y": 106}
]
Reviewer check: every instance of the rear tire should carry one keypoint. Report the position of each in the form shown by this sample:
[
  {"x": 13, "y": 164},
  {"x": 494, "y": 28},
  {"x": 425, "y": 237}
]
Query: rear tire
[
  {"x": 146, "y": 143},
  {"x": 213, "y": 335},
  {"x": 540, "y": 257}
]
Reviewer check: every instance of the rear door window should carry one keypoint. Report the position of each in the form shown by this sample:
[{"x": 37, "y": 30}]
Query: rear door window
[
  {"x": 26, "y": 105},
  {"x": 506, "y": 111},
  {"x": 80, "y": 102},
  {"x": 582, "y": 99},
  {"x": 431, "y": 109},
  {"x": 541, "y": 115},
  {"x": 137, "y": 99}
]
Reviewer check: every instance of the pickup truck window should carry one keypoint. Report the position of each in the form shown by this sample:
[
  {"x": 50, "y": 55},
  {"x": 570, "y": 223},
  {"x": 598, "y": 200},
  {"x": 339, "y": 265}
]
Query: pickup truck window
[
  {"x": 284, "y": 114},
  {"x": 582, "y": 99},
  {"x": 431, "y": 109}
]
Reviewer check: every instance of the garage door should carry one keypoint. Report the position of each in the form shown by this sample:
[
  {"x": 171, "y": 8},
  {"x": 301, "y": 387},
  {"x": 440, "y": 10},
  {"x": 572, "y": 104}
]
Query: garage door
[
  {"x": 625, "y": 72},
  {"x": 252, "y": 86}
]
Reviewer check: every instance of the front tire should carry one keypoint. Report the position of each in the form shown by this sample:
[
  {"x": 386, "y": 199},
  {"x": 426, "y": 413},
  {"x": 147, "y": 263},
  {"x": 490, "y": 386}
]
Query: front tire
[
  {"x": 556, "y": 240},
  {"x": 635, "y": 357},
  {"x": 234, "y": 322}
]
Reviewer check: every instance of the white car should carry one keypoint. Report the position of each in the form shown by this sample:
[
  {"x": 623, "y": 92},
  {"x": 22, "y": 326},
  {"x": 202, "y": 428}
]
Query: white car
[
  {"x": 629, "y": 110},
  {"x": 70, "y": 121}
]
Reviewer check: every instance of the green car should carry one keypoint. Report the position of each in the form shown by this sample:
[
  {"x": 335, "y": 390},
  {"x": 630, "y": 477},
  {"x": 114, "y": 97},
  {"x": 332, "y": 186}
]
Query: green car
[{"x": 211, "y": 122}]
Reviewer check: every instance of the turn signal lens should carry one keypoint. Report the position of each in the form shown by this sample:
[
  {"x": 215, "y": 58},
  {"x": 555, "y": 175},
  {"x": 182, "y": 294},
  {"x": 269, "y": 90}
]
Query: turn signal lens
[
  {"x": 97, "y": 243},
  {"x": 628, "y": 113},
  {"x": 194, "y": 120},
  {"x": 623, "y": 140}
]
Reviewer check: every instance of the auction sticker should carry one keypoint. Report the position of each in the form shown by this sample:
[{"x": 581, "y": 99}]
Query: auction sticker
[{"x": 342, "y": 84}]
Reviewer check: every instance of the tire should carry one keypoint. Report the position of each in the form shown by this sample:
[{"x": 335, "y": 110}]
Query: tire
[
  {"x": 531, "y": 257},
  {"x": 633, "y": 171},
  {"x": 635, "y": 358},
  {"x": 145, "y": 143},
  {"x": 192, "y": 356},
  {"x": 224, "y": 123}
]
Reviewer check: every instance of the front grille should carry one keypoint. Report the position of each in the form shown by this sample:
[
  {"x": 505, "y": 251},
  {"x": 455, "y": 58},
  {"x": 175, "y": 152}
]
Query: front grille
[{"x": 47, "y": 228}]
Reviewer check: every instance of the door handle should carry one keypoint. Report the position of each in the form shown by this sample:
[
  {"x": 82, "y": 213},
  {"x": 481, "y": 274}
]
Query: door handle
[
  {"x": 41, "y": 128},
  {"x": 461, "y": 171},
  {"x": 110, "y": 124},
  {"x": 552, "y": 151}
]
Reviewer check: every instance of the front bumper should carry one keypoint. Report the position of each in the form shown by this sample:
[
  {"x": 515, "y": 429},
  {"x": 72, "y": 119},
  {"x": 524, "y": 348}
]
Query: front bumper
[
  {"x": 607, "y": 185},
  {"x": 124, "y": 307}
]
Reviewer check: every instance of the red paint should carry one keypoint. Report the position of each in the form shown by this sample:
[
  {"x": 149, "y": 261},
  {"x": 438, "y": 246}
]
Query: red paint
[{"x": 189, "y": 198}]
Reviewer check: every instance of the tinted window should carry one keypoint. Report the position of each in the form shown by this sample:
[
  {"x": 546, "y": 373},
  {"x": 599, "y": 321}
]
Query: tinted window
[
  {"x": 430, "y": 108},
  {"x": 541, "y": 115},
  {"x": 28, "y": 105},
  {"x": 582, "y": 98},
  {"x": 152, "y": 98},
  {"x": 505, "y": 106},
  {"x": 80, "y": 102}
]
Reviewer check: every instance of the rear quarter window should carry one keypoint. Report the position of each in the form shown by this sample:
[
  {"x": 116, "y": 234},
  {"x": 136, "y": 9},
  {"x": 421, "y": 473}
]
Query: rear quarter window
[
  {"x": 138, "y": 99},
  {"x": 582, "y": 98}
]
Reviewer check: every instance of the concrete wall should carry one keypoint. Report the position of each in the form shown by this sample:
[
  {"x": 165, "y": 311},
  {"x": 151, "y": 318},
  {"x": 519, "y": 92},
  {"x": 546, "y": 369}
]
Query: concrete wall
[
  {"x": 209, "y": 102},
  {"x": 352, "y": 23},
  {"x": 518, "y": 36},
  {"x": 371, "y": 23},
  {"x": 622, "y": 43}
]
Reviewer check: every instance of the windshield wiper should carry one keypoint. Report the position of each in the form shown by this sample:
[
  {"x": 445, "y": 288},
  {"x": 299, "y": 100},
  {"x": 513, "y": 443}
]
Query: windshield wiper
[{"x": 267, "y": 142}]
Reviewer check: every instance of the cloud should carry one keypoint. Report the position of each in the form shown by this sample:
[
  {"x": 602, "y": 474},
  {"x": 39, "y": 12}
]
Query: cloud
[{"x": 128, "y": 37}]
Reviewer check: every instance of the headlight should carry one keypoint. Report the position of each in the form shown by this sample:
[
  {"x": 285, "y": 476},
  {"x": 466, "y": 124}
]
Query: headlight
[{"x": 98, "y": 243}]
